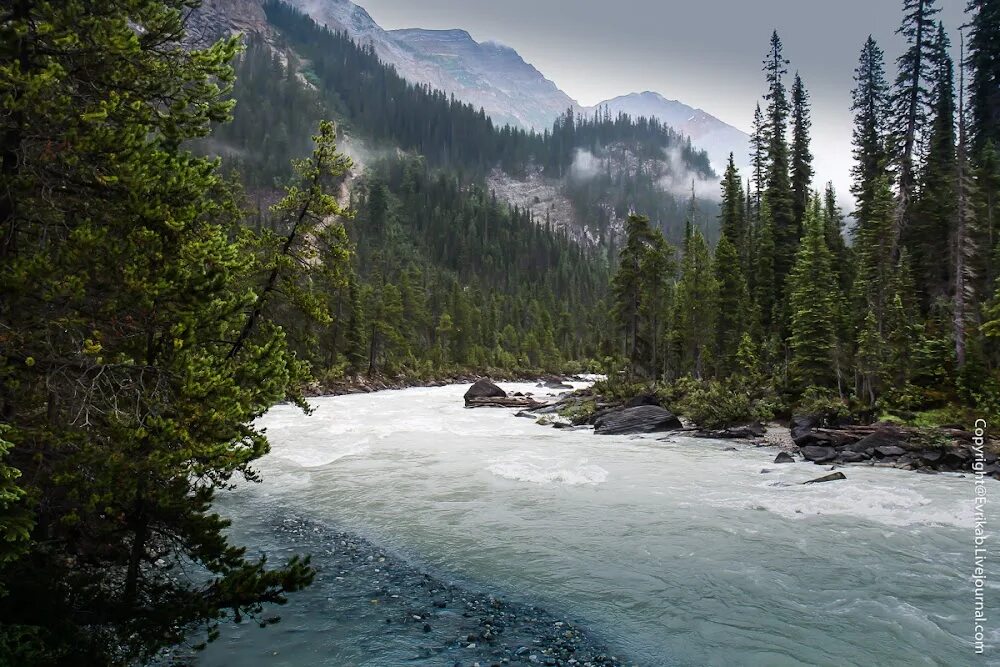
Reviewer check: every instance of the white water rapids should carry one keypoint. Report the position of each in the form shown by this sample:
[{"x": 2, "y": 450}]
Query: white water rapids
[{"x": 672, "y": 552}]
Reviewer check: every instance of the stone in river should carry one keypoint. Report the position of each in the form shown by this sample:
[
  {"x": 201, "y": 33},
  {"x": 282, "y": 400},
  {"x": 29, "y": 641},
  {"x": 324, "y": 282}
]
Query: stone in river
[
  {"x": 832, "y": 477},
  {"x": 784, "y": 457},
  {"x": 484, "y": 389}
]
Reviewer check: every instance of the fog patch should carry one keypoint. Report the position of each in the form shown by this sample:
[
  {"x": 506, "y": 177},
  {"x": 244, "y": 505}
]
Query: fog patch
[
  {"x": 680, "y": 179},
  {"x": 585, "y": 165}
]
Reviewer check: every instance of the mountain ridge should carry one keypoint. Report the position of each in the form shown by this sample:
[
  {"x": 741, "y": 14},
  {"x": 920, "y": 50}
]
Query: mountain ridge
[
  {"x": 714, "y": 136},
  {"x": 489, "y": 74}
]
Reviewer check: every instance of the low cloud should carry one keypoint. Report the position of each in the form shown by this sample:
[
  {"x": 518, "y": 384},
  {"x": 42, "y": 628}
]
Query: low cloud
[
  {"x": 680, "y": 178},
  {"x": 585, "y": 165}
]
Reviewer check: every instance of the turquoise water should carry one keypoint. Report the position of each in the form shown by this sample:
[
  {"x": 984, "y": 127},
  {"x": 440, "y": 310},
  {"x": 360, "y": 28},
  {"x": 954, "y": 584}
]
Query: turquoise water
[{"x": 672, "y": 552}]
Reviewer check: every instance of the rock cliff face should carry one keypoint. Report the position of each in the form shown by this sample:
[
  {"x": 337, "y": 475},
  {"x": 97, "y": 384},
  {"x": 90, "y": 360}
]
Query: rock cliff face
[
  {"x": 487, "y": 75},
  {"x": 215, "y": 19}
]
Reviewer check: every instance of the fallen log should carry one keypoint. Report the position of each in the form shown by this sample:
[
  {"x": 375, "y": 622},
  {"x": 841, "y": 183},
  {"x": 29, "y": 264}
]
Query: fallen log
[{"x": 523, "y": 402}]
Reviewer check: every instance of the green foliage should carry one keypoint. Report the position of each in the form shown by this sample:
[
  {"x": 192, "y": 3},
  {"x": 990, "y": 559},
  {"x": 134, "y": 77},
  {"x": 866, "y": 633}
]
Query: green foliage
[
  {"x": 139, "y": 342},
  {"x": 824, "y": 402},
  {"x": 720, "y": 404},
  {"x": 814, "y": 308},
  {"x": 641, "y": 292}
]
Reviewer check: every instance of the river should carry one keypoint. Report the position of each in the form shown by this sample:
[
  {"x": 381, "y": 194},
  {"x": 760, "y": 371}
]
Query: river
[{"x": 669, "y": 551}]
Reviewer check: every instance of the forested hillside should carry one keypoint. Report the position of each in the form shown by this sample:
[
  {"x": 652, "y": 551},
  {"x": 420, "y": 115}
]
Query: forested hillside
[
  {"x": 479, "y": 283},
  {"x": 787, "y": 313}
]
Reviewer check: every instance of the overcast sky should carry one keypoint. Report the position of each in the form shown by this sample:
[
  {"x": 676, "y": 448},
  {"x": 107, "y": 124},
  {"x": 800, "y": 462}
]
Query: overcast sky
[{"x": 706, "y": 53}]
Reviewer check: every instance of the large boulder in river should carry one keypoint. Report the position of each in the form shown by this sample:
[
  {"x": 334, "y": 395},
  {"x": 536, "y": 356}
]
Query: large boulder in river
[
  {"x": 484, "y": 389},
  {"x": 640, "y": 419}
]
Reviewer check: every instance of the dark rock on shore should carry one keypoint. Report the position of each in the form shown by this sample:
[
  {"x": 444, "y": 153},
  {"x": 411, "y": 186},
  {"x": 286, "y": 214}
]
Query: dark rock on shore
[
  {"x": 640, "y": 419},
  {"x": 832, "y": 477},
  {"x": 848, "y": 456},
  {"x": 891, "y": 445},
  {"x": 818, "y": 454}
]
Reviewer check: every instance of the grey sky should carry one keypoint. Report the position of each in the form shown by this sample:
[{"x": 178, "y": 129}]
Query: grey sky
[{"x": 706, "y": 53}]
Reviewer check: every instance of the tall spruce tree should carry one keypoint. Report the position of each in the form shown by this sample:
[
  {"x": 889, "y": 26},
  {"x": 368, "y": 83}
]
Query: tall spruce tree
[
  {"x": 778, "y": 193},
  {"x": 758, "y": 160},
  {"x": 801, "y": 167},
  {"x": 932, "y": 219},
  {"x": 732, "y": 307},
  {"x": 697, "y": 293},
  {"x": 984, "y": 84},
  {"x": 733, "y": 222},
  {"x": 812, "y": 290},
  {"x": 912, "y": 104},
  {"x": 871, "y": 106},
  {"x": 963, "y": 237},
  {"x": 729, "y": 263}
]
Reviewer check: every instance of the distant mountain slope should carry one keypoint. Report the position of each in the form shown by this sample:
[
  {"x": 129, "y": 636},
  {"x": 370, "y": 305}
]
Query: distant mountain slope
[
  {"x": 707, "y": 132},
  {"x": 487, "y": 75},
  {"x": 484, "y": 74},
  {"x": 215, "y": 19}
]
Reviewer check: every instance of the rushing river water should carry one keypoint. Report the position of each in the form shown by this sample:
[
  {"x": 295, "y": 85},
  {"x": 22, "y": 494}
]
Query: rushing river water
[{"x": 671, "y": 552}]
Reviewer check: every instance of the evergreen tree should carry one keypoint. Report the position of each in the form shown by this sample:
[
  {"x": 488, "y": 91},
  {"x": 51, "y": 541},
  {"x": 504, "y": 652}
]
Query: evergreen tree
[
  {"x": 984, "y": 63},
  {"x": 912, "y": 104},
  {"x": 801, "y": 169},
  {"x": 778, "y": 193},
  {"x": 697, "y": 294},
  {"x": 812, "y": 288},
  {"x": 732, "y": 307},
  {"x": 870, "y": 103},
  {"x": 765, "y": 280},
  {"x": 640, "y": 294},
  {"x": 932, "y": 219},
  {"x": 758, "y": 159},
  {"x": 733, "y": 218},
  {"x": 964, "y": 249}
]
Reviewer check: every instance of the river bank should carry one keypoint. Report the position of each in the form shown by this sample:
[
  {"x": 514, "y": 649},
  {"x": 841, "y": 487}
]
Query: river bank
[
  {"x": 813, "y": 438},
  {"x": 412, "y": 615}
]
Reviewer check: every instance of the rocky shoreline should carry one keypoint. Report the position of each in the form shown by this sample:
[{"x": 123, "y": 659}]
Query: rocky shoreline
[
  {"x": 810, "y": 438},
  {"x": 444, "y": 623}
]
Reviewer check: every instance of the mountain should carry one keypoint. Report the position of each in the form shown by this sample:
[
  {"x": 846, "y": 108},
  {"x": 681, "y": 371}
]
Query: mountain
[
  {"x": 487, "y": 75},
  {"x": 215, "y": 19},
  {"x": 707, "y": 132}
]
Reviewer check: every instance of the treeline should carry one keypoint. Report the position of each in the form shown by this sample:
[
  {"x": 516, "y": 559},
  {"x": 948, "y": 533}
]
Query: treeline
[{"x": 904, "y": 317}]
